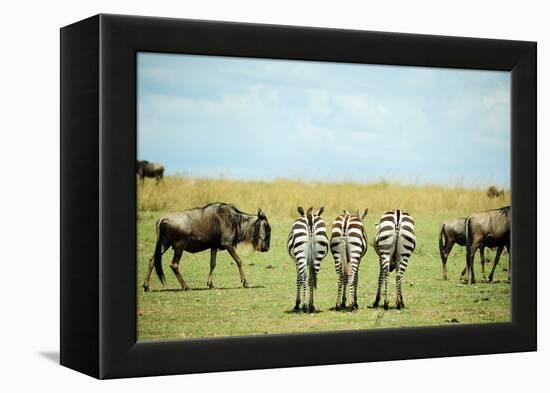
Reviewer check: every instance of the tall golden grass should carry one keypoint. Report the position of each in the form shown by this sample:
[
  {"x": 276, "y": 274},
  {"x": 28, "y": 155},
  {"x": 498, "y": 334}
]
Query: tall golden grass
[{"x": 280, "y": 198}]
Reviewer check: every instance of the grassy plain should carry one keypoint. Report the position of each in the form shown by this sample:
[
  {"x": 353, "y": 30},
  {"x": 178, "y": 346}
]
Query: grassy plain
[{"x": 165, "y": 312}]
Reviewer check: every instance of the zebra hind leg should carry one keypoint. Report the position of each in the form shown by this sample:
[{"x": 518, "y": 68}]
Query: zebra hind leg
[
  {"x": 339, "y": 299},
  {"x": 340, "y": 286},
  {"x": 298, "y": 289},
  {"x": 398, "y": 280},
  {"x": 380, "y": 280},
  {"x": 386, "y": 268},
  {"x": 304, "y": 291},
  {"x": 355, "y": 281},
  {"x": 352, "y": 292},
  {"x": 311, "y": 306}
]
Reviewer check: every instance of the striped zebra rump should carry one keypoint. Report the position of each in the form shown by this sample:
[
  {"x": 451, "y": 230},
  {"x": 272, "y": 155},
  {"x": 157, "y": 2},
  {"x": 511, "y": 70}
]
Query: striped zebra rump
[
  {"x": 307, "y": 245},
  {"x": 348, "y": 245},
  {"x": 395, "y": 242}
]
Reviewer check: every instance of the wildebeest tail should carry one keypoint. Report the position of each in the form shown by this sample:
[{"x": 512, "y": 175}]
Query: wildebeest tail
[
  {"x": 157, "y": 257},
  {"x": 442, "y": 243},
  {"x": 468, "y": 228}
]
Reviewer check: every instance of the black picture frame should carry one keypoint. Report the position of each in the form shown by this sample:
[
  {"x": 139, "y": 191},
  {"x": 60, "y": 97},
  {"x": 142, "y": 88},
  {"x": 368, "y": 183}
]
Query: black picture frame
[{"x": 98, "y": 196}]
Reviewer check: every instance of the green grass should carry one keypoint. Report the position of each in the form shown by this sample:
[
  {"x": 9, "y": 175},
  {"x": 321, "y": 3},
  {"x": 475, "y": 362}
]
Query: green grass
[{"x": 165, "y": 312}]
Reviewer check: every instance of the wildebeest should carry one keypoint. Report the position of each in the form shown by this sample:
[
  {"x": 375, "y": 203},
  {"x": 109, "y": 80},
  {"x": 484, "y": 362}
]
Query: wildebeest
[
  {"x": 216, "y": 226},
  {"x": 149, "y": 169},
  {"x": 490, "y": 229},
  {"x": 453, "y": 231},
  {"x": 493, "y": 192}
]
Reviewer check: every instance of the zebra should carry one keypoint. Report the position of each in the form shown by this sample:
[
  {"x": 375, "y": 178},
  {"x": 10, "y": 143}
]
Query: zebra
[
  {"x": 394, "y": 243},
  {"x": 307, "y": 245},
  {"x": 348, "y": 243}
]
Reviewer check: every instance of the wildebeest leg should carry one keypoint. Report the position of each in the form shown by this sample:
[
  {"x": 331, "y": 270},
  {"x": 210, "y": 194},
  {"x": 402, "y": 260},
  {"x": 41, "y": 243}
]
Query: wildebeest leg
[
  {"x": 470, "y": 276},
  {"x": 150, "y": 267},
  {"x": 178, "y": 251},
  {"x": 213, "y": 252},
  {"x": 463, "y": 274},
  {"x": 497, "y": 257},
  {"x": 237, "y": 260},
  {"x": 482, "y": 255},
  {"x": 148, "y": 275},
  {"x": 447, "y": 251}
]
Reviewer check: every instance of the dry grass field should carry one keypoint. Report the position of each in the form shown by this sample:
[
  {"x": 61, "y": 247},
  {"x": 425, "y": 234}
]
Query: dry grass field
[{"x": 165, "y": 312}]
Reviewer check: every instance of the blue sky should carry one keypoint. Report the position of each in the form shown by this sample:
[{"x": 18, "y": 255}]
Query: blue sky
[{"x": 242, "y": 118}]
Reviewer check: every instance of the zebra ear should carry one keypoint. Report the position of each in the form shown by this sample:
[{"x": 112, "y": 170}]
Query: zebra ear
[
  {"x": 321, "y": 210},
  {"x": 365, "y": 213},
  {"x": 300, "y": 211}
]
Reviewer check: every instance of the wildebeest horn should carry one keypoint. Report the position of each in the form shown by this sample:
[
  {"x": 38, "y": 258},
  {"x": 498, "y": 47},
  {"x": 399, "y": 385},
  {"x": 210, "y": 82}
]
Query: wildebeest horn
[
  {"x": 300, "y": 211},
  {"x": 261, "y": 214}
]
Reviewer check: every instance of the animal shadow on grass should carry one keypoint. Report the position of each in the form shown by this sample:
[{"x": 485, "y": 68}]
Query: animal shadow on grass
[
  {"x": 381, "y": 308},
  {"x": 300, "y": 311},
  {"x": 206, "y": 289},
  {"x": 344, "y": 309}
]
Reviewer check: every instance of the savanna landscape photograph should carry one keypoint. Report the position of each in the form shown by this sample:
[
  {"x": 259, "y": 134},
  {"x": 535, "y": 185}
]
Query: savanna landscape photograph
[{"x": 284, "y": 196}]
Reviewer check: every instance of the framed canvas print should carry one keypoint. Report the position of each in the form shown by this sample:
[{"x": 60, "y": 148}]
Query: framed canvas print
[{"x": 239, "y": 196}]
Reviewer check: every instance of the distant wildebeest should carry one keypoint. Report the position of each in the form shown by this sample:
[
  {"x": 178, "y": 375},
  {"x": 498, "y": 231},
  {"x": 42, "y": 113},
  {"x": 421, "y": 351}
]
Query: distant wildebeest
[
  {"x": 490, "y": 229},
  {"x": 348, "y": 244},
  {"x": 493, "y": 192},
  {"x": 216, "y": 226},
  {"x": 454, "y": 231},
  {"x": 394, "y": 243},
  {"x": 149, "y": 169},
  {"x": 307, "y": 246}
]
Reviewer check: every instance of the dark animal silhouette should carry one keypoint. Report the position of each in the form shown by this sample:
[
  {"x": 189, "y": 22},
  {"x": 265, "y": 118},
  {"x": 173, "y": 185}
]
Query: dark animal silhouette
[
  {"x": 454, "y": 232},
  {"x": 493, "y": 192},
  {"x": 149, "y": 169},
  {"x": 216, "y": 226},
  {"x": 490, "y": 229}
]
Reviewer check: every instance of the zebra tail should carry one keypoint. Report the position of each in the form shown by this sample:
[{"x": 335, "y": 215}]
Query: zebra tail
[
  {"x": 442, "y": 243},
  {"x": 157, "y": 257},
  {"x": 344, "y": 255},
  {"x": 311, "y": 264}
]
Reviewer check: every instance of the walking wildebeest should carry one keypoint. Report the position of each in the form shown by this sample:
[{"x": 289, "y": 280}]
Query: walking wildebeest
[
  {"x": 493, "y": 192},
  {"x": 453, "y": 231},
  {"x": 216, "y": 226},
  {"x": 490, "y": 229},
  {"x": 149, "y": 169}
]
